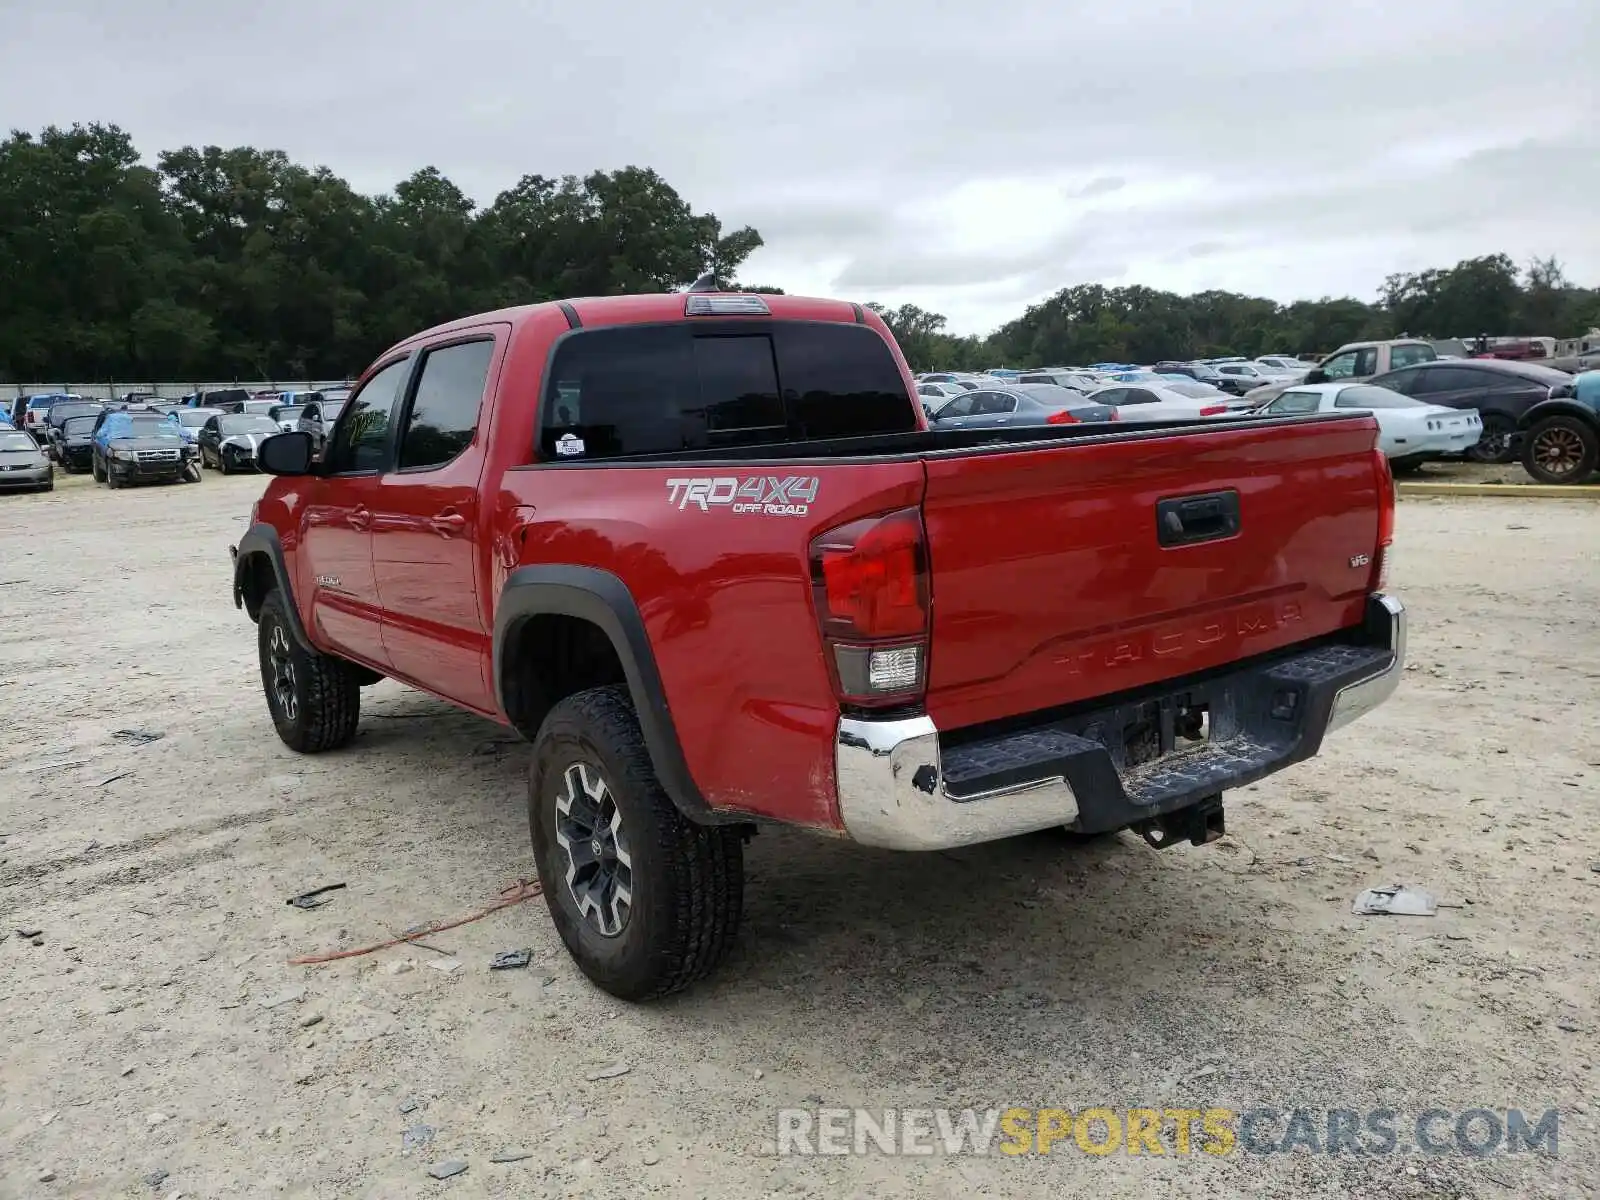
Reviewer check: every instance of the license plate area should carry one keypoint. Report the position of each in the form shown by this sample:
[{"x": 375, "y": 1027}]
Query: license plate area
[{"x": 1170, "y": 725}]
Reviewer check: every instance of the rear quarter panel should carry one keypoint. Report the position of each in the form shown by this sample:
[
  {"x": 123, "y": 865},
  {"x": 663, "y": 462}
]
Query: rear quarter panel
[{"x": 726, "y": 602}]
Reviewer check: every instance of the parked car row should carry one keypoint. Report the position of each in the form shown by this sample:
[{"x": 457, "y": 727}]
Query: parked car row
[{"x": 1485, "y": 409}]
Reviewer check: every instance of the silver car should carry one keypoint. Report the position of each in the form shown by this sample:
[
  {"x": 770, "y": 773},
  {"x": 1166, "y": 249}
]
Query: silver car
[{"x": 23, "y": 464}]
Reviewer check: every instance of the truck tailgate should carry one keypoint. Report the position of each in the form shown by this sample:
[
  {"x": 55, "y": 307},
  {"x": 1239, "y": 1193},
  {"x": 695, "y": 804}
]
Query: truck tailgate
[{"x": 1052, "y": 585}]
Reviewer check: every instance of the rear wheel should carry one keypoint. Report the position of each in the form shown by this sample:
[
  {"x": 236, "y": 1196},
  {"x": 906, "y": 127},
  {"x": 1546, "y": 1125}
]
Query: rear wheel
[
  {"x": 646, "y": 901},
  {"x": 1496, "y": 444},
  {"x": 314, "y": 699},
  {"x": 1561, "y": 450}
]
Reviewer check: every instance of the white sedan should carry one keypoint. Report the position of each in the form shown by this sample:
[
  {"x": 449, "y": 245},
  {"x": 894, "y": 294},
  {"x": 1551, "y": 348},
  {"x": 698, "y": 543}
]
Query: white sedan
[
  {"x": 1409, "y": 431},
  {"x": 1169, "y": 400}
]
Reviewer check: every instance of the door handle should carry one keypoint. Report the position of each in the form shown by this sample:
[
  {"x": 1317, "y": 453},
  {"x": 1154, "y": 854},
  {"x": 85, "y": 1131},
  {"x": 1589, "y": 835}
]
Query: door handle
[
  {"x": 448, "y": 522},
  {"x": 359, "y": 518}
]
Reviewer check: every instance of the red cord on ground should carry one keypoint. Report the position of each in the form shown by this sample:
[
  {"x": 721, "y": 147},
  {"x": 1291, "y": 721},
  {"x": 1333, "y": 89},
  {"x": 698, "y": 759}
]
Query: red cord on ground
[{"x": 522, "y": 890}]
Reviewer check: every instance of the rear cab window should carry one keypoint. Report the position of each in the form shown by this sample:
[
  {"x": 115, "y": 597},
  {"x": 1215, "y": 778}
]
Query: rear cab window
[{"x": 655, "y": 389}]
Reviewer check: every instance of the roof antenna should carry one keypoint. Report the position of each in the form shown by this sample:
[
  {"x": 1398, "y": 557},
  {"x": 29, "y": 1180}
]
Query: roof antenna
[{"x": 706, "y": 283}]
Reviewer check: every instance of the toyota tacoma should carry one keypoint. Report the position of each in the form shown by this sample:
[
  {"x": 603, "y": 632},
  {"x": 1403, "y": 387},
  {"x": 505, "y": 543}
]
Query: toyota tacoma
[{"x": 702, "y": 551}]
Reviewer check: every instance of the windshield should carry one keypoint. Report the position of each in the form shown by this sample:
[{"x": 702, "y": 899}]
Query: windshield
[
  {"x": 287, "y": 412},
  {"x": 77, "y": 425},
  {"x": 147, "y": 427},
  {"x": 247, "y": 423},
  {"x": 259, "y": 407},
  {"x": 17, "y": 441},
  {"x": 1365, "y": 396},
  {"x": 193, "y": 418},
  {"x": 65, "y": 410}
]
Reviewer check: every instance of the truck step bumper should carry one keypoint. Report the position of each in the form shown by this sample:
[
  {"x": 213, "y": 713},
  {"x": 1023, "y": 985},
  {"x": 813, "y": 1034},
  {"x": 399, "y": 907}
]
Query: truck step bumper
[{"x": 904, "y": 786}]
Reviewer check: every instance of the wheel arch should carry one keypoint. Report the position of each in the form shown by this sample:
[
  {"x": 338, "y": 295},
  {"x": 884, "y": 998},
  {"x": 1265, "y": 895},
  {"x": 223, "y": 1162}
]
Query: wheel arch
[
  {"x": 561, "y": 629},
  {"x": 258, "y": 567},
  {"x": 1560, "y": 408}
]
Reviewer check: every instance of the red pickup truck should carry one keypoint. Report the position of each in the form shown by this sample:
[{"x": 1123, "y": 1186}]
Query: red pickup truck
[{"x": 702, "y": 550}]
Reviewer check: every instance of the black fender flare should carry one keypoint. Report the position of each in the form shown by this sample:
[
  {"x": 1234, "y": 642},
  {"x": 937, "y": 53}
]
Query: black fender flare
[
  {"x": 603, "y": 600},
  {"x": 261, "y": 540},
  {"x": 1560, "y": 407}
]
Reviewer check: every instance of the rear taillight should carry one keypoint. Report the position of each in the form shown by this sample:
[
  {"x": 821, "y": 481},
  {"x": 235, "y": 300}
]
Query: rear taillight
[
  {"x": 1061, "y": 418},
  {"x": 1380, "y": 560},
  {"x": 870, "y": 580},
  {"x": 1212, "y": 410}
]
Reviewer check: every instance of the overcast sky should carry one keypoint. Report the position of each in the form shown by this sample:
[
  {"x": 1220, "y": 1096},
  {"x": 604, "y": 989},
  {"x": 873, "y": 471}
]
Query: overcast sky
[{"x": 971, "y": 158}]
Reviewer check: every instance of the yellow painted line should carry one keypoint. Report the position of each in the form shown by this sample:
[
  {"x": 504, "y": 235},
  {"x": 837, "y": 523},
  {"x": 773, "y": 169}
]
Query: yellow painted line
[{"x": 1520, "y": 491}]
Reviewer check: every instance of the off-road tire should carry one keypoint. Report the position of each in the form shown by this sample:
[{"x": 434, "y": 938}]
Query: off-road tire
[
  {"x": 1575, "y": 432},
  {"x": 686, "y": 880},
  {"x": 326, "y": 695}
]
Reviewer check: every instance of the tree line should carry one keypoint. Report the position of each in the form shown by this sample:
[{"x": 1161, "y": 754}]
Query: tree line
[
  {"x": 1090, "y": 323},
  {"x": 238, "y": 263}
]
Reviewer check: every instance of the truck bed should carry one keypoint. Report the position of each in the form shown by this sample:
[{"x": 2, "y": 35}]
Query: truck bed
[{"x": 1048, "y": 584}]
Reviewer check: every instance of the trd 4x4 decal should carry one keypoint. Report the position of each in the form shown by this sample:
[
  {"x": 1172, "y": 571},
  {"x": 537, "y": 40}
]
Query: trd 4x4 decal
[{"x": 790, "y": 496}]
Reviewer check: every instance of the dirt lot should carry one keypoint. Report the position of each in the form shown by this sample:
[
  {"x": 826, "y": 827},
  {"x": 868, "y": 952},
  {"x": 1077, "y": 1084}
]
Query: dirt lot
[{"x": 136, "y": 1041}]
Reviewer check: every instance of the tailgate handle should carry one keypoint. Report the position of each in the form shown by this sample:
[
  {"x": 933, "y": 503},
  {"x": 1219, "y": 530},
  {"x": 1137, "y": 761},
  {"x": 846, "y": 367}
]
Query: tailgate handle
[{"x": 1185, "y": 520}]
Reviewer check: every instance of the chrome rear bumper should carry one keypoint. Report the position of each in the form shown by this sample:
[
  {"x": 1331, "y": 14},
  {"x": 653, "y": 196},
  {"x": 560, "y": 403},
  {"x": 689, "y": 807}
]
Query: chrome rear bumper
[{"x": 893, "y": 790}]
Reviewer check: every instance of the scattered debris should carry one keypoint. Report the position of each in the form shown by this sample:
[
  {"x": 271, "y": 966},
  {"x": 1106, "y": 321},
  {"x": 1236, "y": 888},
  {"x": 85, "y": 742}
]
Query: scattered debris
[
  {"x": 93, "y": 844},
  {"x": 289, "y": 997},
  {"x": 1568, "y": 1027},
  {"x": 310, "y": 899},
  {"x": 50, "y": 1116},
  {"x": 156, "y": 1178},
  {"x": 416, "y": 1138},
  {"x": 510, "y": 960},
  {"x": 137, "y": 737},
  {"x": 445, "y": 964},
  {"x": 409, "y": 1105},
  {"x": 46, "y": 1176},
  {"x": 523, "y": 889},
  {"x": 1518, "y": 527},
  {"x": 153, "y": 1119},
  {"x": 58, "y": 766},
  {"x": 510, "y": 1156},
  {"x": 447, "y": 1169},
  {"x": 650, "y": 1158},
  {"x": 38, "y": 941},
  {"x": 609, "y": 1072},
  {"x": 400, "y": 966},
  {"x": 105, "y": 783},
  {"x": 1338, "y": 858},
  {"x": 1396, "y": 900},
  {"x": 310, "y": 1019},
  {"x": 29, "y": 933}
]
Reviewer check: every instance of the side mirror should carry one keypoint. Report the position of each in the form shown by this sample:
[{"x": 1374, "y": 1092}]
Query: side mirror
[
  {"x": 285, "y": 454},
  {"x": 1316, "y": 375}
]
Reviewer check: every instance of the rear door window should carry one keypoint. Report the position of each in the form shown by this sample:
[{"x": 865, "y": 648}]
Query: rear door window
[
  {"x": 444, "y": 411},
  {"x": 657, "y": 389},
  {"x": 1405, "y": 356}
]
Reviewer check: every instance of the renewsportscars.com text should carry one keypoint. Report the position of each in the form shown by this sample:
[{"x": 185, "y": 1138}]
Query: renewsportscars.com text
[{"x": 1471, "y": 1132}]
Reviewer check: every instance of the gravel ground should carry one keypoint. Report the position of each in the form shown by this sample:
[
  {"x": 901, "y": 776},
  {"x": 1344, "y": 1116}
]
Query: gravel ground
[{"x": 144, "y": 1054}]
